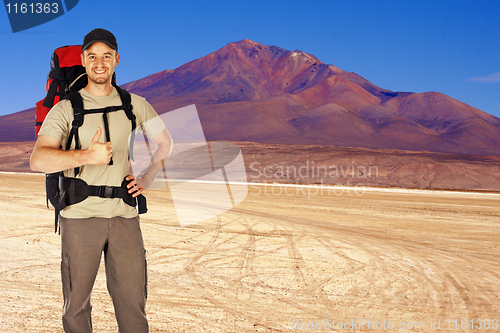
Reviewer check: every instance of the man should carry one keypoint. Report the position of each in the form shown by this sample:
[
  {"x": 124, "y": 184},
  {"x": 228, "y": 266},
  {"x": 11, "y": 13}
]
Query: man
[{"x": 98, "y": 224}]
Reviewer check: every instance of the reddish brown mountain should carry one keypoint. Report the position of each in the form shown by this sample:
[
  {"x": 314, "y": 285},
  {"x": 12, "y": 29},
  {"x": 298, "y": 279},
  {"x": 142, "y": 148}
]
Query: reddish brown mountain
[
  {"x": 18, "y": 127},
  {"x": 250, "y": 92}
]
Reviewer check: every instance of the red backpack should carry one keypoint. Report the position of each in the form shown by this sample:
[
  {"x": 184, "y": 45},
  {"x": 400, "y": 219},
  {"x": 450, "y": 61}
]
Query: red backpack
[{"x": 65, "y": 68}]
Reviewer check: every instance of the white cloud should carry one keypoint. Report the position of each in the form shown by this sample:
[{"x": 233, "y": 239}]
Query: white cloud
[{"x": 495, "y": 78}]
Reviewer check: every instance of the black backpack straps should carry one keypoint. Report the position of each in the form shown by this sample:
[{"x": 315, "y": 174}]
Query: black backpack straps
[
  {"x": 106, "y": 127},
  {"x": 52, "y": 193},
  {"x": 128, "y": 108},
  {"x": 51, "y": 94},
  {"x": 142, "y": 205},
  {"x": 78, "y": 112},
  {"x": 77, "y": 105},
  {"x": 75, "y": 190}
]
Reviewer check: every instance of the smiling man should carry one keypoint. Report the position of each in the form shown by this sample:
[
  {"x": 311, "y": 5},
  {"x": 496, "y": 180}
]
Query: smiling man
[
  {"x": 100, "y": 57},
  {"x": 106, "y": 220}
]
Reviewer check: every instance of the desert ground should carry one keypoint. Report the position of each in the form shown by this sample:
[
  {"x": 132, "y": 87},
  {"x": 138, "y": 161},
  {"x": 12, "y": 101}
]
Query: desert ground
[
  {"x": 316, "y": 164},
  {"x": 283, "y": 260}
]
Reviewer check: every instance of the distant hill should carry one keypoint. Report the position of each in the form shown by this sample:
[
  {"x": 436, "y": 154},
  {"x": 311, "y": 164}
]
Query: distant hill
[
  {"x": 250, "y": 92},
  {"x": 18, "y": 127}
]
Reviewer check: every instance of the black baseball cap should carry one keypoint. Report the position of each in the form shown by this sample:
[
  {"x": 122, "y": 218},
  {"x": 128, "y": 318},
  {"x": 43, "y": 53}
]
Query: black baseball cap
[{"x": 100, "y": 35}]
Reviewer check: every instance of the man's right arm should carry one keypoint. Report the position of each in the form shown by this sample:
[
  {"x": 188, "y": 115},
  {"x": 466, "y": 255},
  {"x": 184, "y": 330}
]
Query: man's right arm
[{"x": 48, "y": 158}]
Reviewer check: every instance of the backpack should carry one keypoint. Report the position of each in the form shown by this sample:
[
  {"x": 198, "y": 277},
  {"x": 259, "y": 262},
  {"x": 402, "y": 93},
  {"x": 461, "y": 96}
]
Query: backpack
[
  {"x": 66, "y": 77},
  {"x": 65, "y": 67}
]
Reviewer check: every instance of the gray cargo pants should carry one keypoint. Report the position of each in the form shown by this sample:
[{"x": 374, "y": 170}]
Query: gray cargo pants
[{"x": 83, "y": 241}]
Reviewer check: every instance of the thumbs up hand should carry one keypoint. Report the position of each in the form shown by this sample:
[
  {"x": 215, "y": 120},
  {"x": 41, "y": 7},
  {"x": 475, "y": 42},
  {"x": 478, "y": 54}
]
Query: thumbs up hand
[{"x": 99, "y": 153}]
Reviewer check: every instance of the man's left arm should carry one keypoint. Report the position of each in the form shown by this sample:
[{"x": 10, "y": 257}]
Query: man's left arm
[{"x": 163, "y": 149}]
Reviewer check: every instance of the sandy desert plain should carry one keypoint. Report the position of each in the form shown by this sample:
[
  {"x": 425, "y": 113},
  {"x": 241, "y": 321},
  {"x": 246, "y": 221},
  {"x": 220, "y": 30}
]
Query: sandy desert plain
[{"x": 381, "y": 260}]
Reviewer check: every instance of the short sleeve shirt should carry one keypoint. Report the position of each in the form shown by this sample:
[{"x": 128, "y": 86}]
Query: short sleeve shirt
[{"x": 58, "y": 123}]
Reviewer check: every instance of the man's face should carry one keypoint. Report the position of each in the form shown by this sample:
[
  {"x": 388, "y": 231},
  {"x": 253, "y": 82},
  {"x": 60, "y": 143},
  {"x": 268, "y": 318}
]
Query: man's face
[{"x": 100, "y": 61}]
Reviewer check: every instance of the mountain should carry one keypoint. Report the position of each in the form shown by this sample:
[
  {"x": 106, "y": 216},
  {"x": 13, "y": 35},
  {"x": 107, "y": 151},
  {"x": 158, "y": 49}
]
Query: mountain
[
  {"x": 18, "y": 127},
  {"x": 246, "y": 91}
]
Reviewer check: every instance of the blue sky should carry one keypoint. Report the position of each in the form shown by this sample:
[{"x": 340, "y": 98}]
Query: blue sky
[{"x": 452, "y": 47}]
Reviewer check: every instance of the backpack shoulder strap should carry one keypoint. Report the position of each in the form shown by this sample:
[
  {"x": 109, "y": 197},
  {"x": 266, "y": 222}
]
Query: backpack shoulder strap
[
  {"x": 77, "y": 104},
  {"x": 127, "y": 104},
  {"x": 128, "y": 108},
  {"x": 78, "y": 112}
]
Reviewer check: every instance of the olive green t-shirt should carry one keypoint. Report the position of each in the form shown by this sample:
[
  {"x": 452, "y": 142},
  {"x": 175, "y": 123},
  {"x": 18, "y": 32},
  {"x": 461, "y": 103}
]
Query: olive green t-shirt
[{"x": 57, "y": 124}]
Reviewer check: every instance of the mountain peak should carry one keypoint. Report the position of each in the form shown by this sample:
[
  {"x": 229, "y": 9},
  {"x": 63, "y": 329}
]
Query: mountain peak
[
  {"x": 268, "y": 53},
  {"x": 247, "y": 71},
  {"x": 247, "y": 43}
]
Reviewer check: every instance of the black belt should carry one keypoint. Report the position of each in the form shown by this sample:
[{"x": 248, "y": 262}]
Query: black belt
[{"x": 75, "y": 190}]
